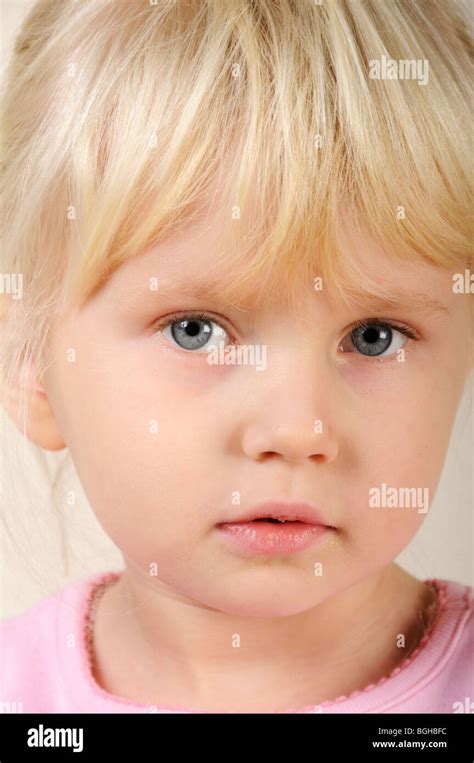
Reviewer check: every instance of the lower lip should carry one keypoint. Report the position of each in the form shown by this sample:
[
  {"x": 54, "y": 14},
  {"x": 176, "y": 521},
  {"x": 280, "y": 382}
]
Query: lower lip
[{"x": 271, "y": 538}]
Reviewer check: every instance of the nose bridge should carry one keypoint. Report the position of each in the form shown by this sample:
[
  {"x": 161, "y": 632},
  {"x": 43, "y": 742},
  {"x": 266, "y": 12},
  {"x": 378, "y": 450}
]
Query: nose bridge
[
  {"x": 297, "y": 381},
  {"x": 292, "y": 408}
]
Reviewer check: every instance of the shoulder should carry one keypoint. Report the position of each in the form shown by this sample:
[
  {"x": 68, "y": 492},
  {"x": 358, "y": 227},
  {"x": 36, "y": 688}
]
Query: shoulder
[
  {"x": 456, "y": 597},
  {"x": 453, "y": 642},
  {"x": 32, "y": 642},
  {"x": 28, "y": 625},
  {"x": 27, "y": 628},
  {"x": 456, "y": 609}
]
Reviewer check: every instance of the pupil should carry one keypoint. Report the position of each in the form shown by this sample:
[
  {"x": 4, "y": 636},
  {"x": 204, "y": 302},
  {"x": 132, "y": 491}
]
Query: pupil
[
  {"x": 371, "y": 335},
  {"x": 192, "y": 328}
]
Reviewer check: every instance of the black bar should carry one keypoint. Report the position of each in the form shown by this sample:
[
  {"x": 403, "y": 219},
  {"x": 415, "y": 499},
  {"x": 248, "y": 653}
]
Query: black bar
[{"x": 156, "y": 735}]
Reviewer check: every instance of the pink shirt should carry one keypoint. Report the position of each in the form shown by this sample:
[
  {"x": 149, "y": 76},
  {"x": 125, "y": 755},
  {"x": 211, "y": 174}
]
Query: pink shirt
[{"x": 45, "y": 668}]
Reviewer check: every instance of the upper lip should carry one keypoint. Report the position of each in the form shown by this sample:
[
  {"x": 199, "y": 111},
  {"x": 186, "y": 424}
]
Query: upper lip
[{"x": 277, "y": 509}]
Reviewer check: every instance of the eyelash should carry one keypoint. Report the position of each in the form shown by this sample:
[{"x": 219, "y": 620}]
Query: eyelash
[
  {"x": 166, "y": 321},
  {"x": 384, "y": 323},
  {"x": 403, "y": 328}
]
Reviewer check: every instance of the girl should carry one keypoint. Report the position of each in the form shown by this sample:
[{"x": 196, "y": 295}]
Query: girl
[{"x": 289, "y": 180}]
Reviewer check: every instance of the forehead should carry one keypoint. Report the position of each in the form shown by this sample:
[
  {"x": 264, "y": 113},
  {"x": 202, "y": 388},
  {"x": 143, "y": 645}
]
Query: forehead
[
  {"x": 371, "y": 274},
  {"x": 194, "y": 262},
  {"x": 194, "y": 259}
]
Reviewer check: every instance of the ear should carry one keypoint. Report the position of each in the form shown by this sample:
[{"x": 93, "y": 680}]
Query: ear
[{"x": 37, "y": 420}]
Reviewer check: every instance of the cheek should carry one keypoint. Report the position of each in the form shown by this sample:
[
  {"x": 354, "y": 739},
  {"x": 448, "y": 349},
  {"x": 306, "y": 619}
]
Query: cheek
[
  {"x": 136, "y": 436},
  {"x": 380, "y": 535},
  {"x": 403, "y": 435},
  {"x": 404, "y": 413}
]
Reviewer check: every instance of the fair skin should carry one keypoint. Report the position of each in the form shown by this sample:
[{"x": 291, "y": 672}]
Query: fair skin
[{"x": 167, "y": 639}]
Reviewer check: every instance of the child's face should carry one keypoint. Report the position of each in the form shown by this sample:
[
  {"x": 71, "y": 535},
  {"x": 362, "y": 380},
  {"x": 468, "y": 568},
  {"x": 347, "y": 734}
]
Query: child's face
[{"x": 163, "y": 441}]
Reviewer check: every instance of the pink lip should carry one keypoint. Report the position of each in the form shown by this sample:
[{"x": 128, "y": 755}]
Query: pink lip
[
  {"x": 302, "y": 512},
  {"x": 303, "y": 527}
]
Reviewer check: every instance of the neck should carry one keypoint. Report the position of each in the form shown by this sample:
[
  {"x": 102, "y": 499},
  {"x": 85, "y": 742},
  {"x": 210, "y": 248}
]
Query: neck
[{"x": 187, "y": 654}]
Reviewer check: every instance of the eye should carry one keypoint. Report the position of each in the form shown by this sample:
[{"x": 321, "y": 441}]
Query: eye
[
  {"x": 376, "y": 339},
  {"x": 195, "y": 332}
]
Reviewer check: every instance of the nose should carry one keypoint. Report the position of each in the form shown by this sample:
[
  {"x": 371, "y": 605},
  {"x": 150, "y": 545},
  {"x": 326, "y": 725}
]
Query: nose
[
  {"x": 292, "y": 413},
  {"x": 294, "y": 443}
]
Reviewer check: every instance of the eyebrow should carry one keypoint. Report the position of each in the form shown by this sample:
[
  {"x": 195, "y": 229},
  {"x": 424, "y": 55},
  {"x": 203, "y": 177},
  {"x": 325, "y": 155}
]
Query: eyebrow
[
  {"x": 178, "y": 285},
  {"x": 190, "y": 287},
  {"x": 413, "y": 301}
]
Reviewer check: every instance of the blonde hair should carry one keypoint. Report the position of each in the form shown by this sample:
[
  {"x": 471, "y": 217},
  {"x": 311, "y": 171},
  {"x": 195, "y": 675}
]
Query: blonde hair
[{"x": 121, "y": 120}]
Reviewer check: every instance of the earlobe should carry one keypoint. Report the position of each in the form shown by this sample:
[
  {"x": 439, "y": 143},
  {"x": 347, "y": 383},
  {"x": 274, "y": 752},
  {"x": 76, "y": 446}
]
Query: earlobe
[
  {"x": 28, "y": 407},
  {"x": 41, "y": 425}
]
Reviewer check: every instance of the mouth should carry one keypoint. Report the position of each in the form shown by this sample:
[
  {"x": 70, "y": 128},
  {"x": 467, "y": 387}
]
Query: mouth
[
  {"x": 271, "y": 519},
  {"x": 281, "y": 512},
  {"x": 275, "y": 528}
]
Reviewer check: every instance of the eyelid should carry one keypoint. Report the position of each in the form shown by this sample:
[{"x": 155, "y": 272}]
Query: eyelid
[
  {"x": 394, "y": 325},
  {"x": 178, "y": 315},
  {"x": 404, "y": 328}
]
